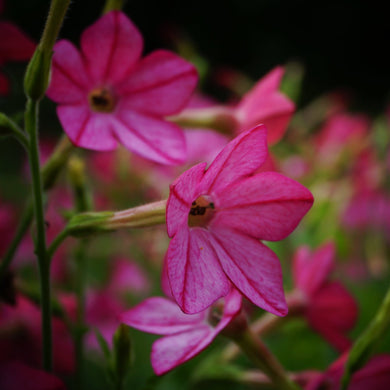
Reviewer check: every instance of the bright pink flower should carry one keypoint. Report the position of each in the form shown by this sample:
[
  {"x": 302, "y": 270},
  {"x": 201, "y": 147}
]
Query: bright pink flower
[
  {"x": 15, "y": 375},
  {"x": 185, "y": 335},
  {"x": 328, "y": 307},
  {"x": 15, "y": 45},
  {"x": 107, "y": 93},
  {"x": 216, "y": 218},
  {"x": 374, "y": 375},
  {"x": 265, "y": 104}
]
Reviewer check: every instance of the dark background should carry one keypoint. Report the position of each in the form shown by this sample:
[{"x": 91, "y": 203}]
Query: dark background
[{"x": 343, "y": 44}]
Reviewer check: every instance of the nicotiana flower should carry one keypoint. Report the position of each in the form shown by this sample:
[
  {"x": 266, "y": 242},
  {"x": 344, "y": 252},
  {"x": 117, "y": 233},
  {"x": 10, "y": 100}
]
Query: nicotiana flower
[
  {"x": 107, "y": 93},
  {"x": 15, "y": 45},
  {"x": 185, "y": 335},
  {"x": 216, "y": 218},
  {"x": 264, "y": 103},
  {"x": 374, "y": 375},
  {"x": 328, "y": 307}
]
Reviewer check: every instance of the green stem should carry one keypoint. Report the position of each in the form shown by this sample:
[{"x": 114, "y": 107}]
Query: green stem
[
  {"x": 112, "y": 5},
  {"x": 262, "y": 357},
  {"x": 56, "y": 243},
  {"x": 11, "y": 128},
  {"x": 31, "y": 121},
  {"x": 53, "y": 24},
  {"x": 20, "y": 232},
  {"x": 80, "y": 328}
]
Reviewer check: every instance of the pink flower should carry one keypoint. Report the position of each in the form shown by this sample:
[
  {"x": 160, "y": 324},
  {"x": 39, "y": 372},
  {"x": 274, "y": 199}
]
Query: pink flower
[
  {"x": 185, "y": 335},
  {"x": 374, "y": 375},
  {"x": 216, "y": 218},
  {"x": 15, "y": 45},
  {"x": 329, "y": 308},
  {"x": 264, "y": 103},
  {"x": 15, "y": 375},
  {"x": 107, "y": 93}
]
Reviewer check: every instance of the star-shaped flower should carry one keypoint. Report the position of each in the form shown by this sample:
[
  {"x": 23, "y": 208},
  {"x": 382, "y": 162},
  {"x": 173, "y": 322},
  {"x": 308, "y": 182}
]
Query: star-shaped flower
[
  {"x": 107, "y": 93},
  {"x": 216, "y": 218}
]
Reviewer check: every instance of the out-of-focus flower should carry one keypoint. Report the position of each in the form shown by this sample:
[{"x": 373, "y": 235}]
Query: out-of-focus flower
[
  {"x": 15, "y": 375},
  {"x": 21, "y": 339},
  {"x": 342, "y": 133},
  {"x": 185, "y": 335},
  {"x": 328, "y": 307},
  {"x": 265, "y": 104},
  {"x": 374, "y": 375},
  {"x": 15, "y": 45},
  {"x": 7, "y": 225},
  {"x": 107, "y": 93},
  {"x": 216, "y": 218}
]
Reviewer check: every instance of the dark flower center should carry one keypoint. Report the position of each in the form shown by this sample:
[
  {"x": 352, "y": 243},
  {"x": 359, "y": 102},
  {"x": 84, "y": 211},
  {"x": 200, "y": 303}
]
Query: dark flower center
[
  {"x": 215, "y": 313},
  {"x": 202, "y": 211},
  {"x": 101, "y": 100}
]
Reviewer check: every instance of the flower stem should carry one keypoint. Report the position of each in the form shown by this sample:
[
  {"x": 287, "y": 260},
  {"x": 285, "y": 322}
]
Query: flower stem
[
  {"x": 31, "y": 121},
  {"x": 262, "y": 357},
  {"x": 20, "y": 232},
  {"x": 112, "y": 5}
]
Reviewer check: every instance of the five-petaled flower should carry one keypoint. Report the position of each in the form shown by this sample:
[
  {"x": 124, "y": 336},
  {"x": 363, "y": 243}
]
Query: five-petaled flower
[
  {"x": 185, "y": 335},
  {"x": 328, "y": 307},
  {"x": 107, "y": 93},
  {"x": 216, "y": 218}
]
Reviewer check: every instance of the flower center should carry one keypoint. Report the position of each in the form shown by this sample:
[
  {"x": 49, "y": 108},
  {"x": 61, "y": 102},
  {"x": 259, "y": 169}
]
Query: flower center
[
  {"x": 215, "y": 313},
  {"x": 202, "y": 211},
  {"x": 101, "y": 100}
]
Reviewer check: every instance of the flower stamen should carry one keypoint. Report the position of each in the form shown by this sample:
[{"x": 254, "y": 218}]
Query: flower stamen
[{"x": 101, "y": 100}]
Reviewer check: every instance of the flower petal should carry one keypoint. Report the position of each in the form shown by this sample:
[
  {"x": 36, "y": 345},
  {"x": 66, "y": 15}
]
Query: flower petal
[
  {"x": 195, "y": 275},
  {"x": 111, "y": 47},
  {"x": 69, "y": 79},
  {"x": 15, "y": 45},
  {"x": 265, "y": 104},
  {"x": 17, "y": 375},
  {"x": 160, "y": 316},
  {"x": 150, "y": 137},
  {"x": 87, "y": 130},
  {"x": 239, "y": 158},
  {"x": 267, "y": 206},
  {"x": 182, "y": 194},
  {"x": 252, "y": 268},
  {"x": 161, "y": 84},
  {"x": 171, "y": 351},
  {"x": 310, "y": 270},
  {"x": 333, "y": 312},
  {"x": 4, "y": 84}
]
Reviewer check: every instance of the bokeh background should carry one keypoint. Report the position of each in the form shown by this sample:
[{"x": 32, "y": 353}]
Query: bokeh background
[{"x": 341, "y": 45}]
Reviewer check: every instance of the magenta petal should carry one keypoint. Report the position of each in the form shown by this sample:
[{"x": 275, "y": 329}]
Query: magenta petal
[
  {"x": 150, "y": 137},
  {"x": 182, "y": 194},
  {"x": 171, "y": 351},
  {"x": 4, "y": 84},
  {"x": 15, "y": 45},
  {"x": 310, "y": 270},
  {"x": 333, "y": 312},
  {"x": 87, "y": 130},
  {"x": 267, "y": 206},
  {"x": 195, "y": 275},
  {"x": 69, "y": 80},
  {"x": 252, "y": 268},
  {"x": 239, "y": 158},
  {"x": 161, "y": 84},
  {"x": 160, "y": 316},
  {"x": 15, "y": 375},
  {"x": 265, "y": 104},
  {"x": 111, "y": 47}
]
